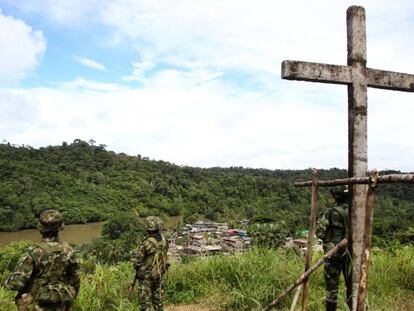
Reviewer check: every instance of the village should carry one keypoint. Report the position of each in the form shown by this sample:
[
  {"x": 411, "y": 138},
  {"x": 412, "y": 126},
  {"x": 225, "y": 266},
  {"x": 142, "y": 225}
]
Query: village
[{"x": 205, "y": 238}]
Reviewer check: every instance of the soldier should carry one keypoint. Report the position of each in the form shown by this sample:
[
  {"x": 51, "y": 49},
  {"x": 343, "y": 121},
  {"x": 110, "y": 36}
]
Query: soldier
[
  {"x": 47, "y": 277},
  {"x": 150, "y": 263},
  {"x": 332, "y": 228}
]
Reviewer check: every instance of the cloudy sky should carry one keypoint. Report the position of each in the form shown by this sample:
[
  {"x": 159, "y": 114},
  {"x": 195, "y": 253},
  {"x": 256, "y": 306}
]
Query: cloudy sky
[{"x": 198, "y": 82}]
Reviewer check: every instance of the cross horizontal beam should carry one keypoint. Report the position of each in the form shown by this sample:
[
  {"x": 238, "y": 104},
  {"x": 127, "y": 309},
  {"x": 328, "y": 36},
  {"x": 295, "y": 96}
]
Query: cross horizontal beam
[
  {"x": 385, "y": 179},
  {"x": 390, "y": 80},
  {"x": 315, "y": 72},
  {"x": 337, "y": 74}
]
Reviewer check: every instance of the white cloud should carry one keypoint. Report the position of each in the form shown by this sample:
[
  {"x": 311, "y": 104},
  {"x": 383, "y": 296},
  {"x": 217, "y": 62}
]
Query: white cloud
[
  {"x": 246, "y": 35},
  {"x": 69, "y": 13},
  {"x": 82, "y": 85},
  {"x": 90, "y": 63},
  {"x": 206, "y": 123},
  {"x": 139, "y": 70},
  {"x": 21, "y": 49},
  {"x": 249, "y": 36},
  {"x": 191, "y": 107},
  {"x": 256, "y": 35}
]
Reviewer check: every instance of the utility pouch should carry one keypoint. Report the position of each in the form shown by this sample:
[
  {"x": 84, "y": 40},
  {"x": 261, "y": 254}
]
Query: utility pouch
[
  {"x": 141, "y": 272},
  {"x": 25, "y": 302},
  {"x": 58, "y": 293}
]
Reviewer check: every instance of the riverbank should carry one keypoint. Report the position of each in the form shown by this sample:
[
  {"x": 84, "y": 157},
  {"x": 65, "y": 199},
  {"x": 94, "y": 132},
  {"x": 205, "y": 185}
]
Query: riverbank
[{"x": 74, "y": 234}]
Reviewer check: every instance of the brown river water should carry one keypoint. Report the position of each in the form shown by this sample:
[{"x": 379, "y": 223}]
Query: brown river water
[{"x": 76, "y": 234}]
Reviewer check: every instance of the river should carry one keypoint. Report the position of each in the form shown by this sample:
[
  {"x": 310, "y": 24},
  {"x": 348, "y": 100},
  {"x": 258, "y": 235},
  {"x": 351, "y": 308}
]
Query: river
[{"x": 76, "y": 234}]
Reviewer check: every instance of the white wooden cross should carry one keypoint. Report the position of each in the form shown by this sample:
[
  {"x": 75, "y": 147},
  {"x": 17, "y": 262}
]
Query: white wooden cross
[{"x": 357, "y": 77}]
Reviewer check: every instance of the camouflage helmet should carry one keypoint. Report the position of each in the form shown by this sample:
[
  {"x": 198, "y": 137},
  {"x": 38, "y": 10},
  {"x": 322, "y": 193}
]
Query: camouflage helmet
[
  {"x": 50, "y": 220},
  {"x": 340, "y": 194},
  {"x": 153, "y": 223}
]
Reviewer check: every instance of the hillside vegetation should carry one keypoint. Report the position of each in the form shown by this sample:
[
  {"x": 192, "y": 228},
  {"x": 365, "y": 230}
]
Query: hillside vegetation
[
  {"x": 243, "y": 281},
  {"x": 88, "y": 183}
]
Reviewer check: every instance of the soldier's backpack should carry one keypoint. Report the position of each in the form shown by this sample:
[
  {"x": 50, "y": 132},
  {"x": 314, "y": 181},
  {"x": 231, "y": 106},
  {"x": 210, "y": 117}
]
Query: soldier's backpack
[
  {"x": 50, "y": 285},
  {"x": 338, "y": 217},
  {"x": 337, "y": 227},
  {"x": 157, "y": 264}
]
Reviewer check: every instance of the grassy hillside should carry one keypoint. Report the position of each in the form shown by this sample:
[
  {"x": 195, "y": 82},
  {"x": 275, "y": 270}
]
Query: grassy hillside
[{"x": 246, "y": 281}]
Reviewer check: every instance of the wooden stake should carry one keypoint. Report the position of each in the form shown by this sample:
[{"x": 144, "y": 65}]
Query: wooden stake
[
  {"x": 296, "y": 298},
  {"x": 306, "y": 275},
  {"x": 311, "y": 235},
  {"x": 369, "y": 213},
  {"x": 385, "y": 179}
]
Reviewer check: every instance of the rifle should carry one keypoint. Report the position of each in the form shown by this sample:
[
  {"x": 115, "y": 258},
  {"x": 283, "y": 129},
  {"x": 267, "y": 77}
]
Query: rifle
[{"x": 132, "y": 285}]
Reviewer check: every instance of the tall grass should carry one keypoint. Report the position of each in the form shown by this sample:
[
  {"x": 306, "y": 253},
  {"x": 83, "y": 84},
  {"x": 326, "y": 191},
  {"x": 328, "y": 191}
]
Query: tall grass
[
  {"x": 107, "y": 289},
  {"x": 246, "y": 281},
  {"x": 251, "y": 280}
]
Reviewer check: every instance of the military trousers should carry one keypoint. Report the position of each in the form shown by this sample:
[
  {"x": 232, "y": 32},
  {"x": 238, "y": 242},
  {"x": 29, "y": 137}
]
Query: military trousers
[
  {"x": 151, "y": 291},
  {"x": 333, "y": 267}
]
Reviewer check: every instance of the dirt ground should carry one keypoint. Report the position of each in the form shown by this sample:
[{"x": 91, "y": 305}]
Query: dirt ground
[{"x": 408, "y": 304}]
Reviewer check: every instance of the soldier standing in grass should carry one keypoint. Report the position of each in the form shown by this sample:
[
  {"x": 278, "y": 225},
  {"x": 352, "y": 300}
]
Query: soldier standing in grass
[
  {"x": 332, "y": 228},
  {"x": 47, "y": 276},
  {"x": 150, "y": 263}
]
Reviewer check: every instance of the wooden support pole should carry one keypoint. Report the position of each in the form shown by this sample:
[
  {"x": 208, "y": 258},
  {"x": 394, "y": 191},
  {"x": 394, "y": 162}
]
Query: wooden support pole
[
  {"x": 396, "y": 178},
  {"x": 296, "y": 298},
  {"x": 311, "y": 235},
  {"x": 369, "y": 214},
  {"x": 385, "y": 179},
  {"x": 306, "y": 275}
]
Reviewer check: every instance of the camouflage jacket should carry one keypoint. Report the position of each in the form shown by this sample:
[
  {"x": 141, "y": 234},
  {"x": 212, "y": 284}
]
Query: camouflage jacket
[
  {"x": 50, "y": 266},
  {"x": 333, "y": 226},
  {"x": 150, "y": 258}
]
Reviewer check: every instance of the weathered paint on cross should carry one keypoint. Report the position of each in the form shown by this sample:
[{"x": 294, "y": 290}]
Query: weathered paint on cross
[
  {"x": 337, "y": 74},
  {"x": 357, "y": 77}
]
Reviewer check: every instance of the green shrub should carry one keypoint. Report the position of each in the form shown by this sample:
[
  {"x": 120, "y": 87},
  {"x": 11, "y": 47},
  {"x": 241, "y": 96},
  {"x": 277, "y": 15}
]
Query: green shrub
[
  {"x": 9, "y": 257},
  {"x": 268, "y": 234}
]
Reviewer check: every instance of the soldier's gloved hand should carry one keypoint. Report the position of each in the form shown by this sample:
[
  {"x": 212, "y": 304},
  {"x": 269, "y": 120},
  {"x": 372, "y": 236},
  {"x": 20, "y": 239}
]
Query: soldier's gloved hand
[
  {"x": 328, "y": 246},
  {"x": 141, "y": 272}
]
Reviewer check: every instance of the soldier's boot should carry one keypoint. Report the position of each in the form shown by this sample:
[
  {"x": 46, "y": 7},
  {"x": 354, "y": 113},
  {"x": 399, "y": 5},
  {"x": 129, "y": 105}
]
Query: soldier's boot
[{"x": 331, "y": 306}]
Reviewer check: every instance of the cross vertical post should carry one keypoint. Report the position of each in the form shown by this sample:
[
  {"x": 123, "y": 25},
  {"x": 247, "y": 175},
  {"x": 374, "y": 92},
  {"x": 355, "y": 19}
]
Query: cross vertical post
[
  {"x": 357, "y": 77},
  {"x": 357, "y": 140}
]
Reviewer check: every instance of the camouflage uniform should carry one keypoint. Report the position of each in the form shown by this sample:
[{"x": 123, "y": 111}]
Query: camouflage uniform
[
  {"x": 332, "y": 228},
  {"x": 47, "y": 277},
  {"x": 150, "y": 263}
]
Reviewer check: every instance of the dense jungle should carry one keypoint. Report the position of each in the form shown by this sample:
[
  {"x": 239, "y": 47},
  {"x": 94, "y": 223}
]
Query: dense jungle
[{"x": 89, "y": 183}]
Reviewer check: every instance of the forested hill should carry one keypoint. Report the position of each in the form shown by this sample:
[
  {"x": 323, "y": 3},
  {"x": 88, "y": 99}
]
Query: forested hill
[{"x": 88, "y": 183}]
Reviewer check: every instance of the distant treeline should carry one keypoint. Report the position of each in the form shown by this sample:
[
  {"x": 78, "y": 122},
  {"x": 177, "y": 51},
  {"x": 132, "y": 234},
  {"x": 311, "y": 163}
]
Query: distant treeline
[{"x": 88, "y": 183}]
